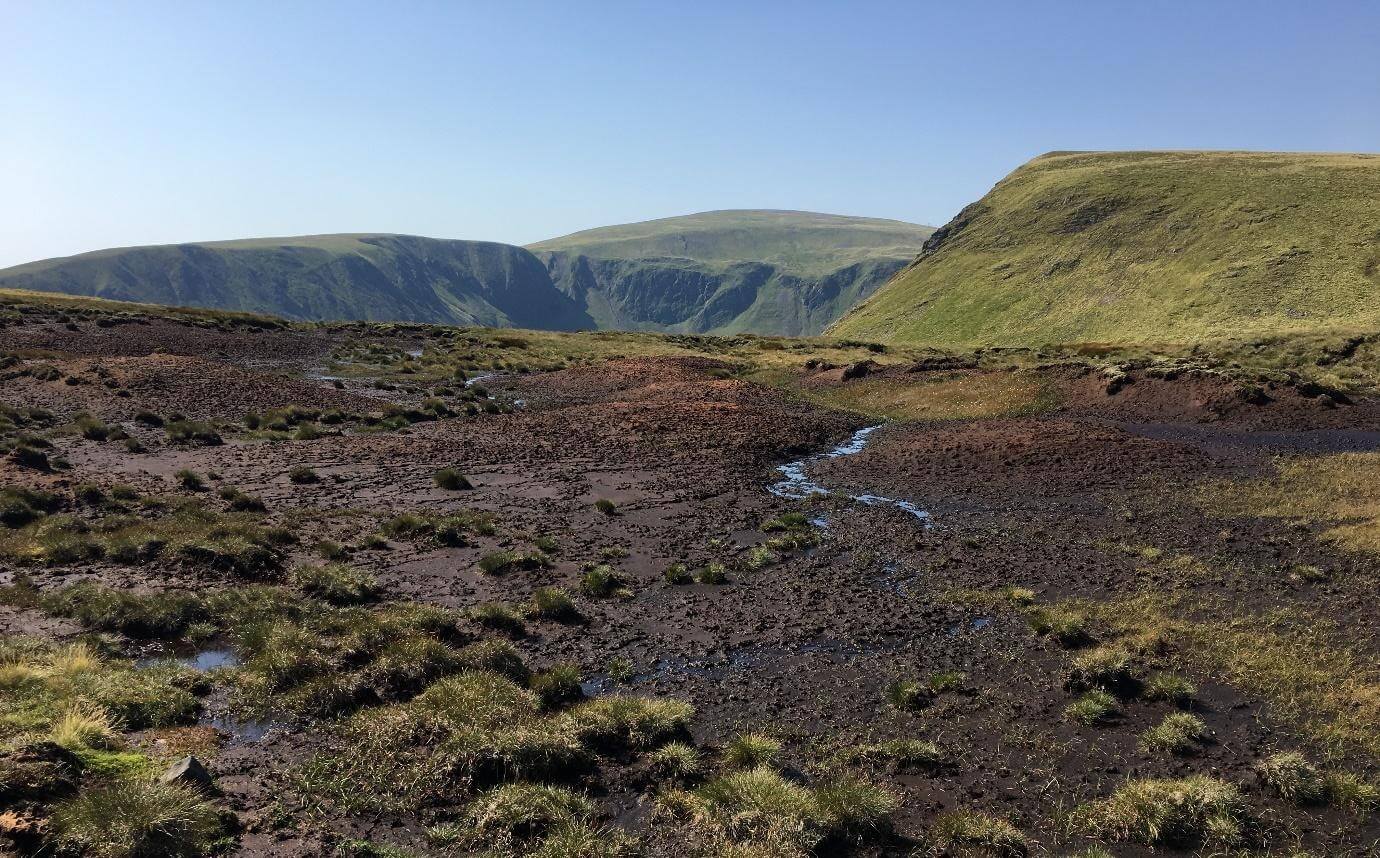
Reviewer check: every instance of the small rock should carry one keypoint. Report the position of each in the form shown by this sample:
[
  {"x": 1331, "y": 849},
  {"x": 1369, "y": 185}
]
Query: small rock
[
  {"x": 189, "y": 771},
  {"x": 859, "y": 369}
]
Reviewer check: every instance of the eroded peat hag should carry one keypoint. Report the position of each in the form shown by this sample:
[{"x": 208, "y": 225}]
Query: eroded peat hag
[{"x": 392, "y": 613}]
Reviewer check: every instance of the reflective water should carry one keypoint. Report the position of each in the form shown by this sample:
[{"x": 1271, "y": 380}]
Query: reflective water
[{"x": 797, "y": 484}]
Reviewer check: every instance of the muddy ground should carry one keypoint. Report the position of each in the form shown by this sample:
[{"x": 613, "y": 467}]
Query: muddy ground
[{"x": 1058, "y": 502}]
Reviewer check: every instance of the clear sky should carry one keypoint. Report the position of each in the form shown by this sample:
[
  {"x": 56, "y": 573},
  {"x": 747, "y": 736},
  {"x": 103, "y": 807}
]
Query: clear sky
[{"x": 141, "y": 122}]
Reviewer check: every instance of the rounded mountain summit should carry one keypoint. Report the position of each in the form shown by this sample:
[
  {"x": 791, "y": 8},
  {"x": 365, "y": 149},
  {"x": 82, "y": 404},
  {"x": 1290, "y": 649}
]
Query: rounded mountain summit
[{"x": 760, "y": 271}]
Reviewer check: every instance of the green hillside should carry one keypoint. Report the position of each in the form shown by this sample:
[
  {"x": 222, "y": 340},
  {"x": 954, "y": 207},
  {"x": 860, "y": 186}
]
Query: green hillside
[
  {"x": 725, "y": 272},
  {"x": 799, "y": 243},
  {"x": 373, "y": 277},
  {"x": 1145, "y": 246},
  {"x": 812, "y": 269}
]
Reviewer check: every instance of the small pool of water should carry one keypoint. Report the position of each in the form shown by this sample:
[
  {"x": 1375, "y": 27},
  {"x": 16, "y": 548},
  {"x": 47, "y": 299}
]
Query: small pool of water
[
  {"x": 202, "y": 659},
  {"x": 797, "y": 484}
]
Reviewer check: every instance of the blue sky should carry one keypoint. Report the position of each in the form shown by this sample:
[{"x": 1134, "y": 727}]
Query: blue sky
[{"x": 141, "y": 122}]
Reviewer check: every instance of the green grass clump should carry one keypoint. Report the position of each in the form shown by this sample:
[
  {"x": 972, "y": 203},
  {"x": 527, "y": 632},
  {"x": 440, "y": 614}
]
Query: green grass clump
[
  {"x": 982, "y": 831},
  {"x": 1067, "y": 626},
  {"x": 632, "y": 723},
  {"x": 898, "y": 753},
  {"x": 451, "y": 480},
  {"x": 603, "y": 581},
  {"x": 150, "y": 615},
  {"x": 190, "y": 480},
  {"x": 1171, "y": 687},
  {"x": 91, "y": 428},
  {"x": 606, "y": 506},
  {"x": 499, "y": 616},
  {"x": 761, "y": 810},
  {"x": 1196, "y": 810},
  {"x": 676, "y": 762},
  {"x": 557, "y": 686},
  {"x": 512, "y": 814},
  {"x": 1179, "y": 733},
  {"x": 135, "y": 818},
  {"x": 1092, "y": 708},
  {"x": 1109, "y": 667},
  {"x": 192, "y": 432},
  {"x": 678, "y": 574},
  {"x": 336, "y": 583},
  {"x": 751, "y": 751},
  {"x": 20, "y": 506},
  {"x": 503, "y": 562},
  {"x": 303, "y": 475},
  {"x": 908, "y": 694},
  {"x": 553, "y": 603},
  {"x": 713, "y": 573}
]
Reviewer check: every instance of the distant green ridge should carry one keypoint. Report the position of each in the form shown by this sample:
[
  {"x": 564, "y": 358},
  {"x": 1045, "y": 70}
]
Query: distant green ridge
[
  {"x": 803, "y": 287},
  {"x": 1144, "y": 247}
]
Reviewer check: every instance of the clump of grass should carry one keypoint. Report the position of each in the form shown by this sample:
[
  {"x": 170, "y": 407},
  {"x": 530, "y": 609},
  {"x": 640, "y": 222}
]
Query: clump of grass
[
  {"x": 946, "y": 681},
  {"x": 676, "y": 762},
  {"x": 603, "y": 581},
  {"x": 91, "y": 428},
  {"x": 1109, "y": 667},
  {"x": 190, "y": 480},
  {"x": 898, "y": 753},
  {"x": 633, "y": 723},
  {"x": 1171, "y": 812},
  {"x": 1067, "y": 626},
  {"x": 557, "y": 686},
  {"x": 606, "y": 506},
  {"x": 192, "y": 432},
  {"x": 302, "y": 475},
  {"x": 501, "y": 562},
  {"x": 20, "y": 506},
  {"x": 83, "y": 724},
  {"x": 241, "y": 502},
  {"x": 1289, "y": 775},
  {"x": 553, "y": 603},
  {"x": 752, "y": 750},
  {"x": 1092, "y": 708},
  {"x": 1180, "y": 733},
  {"x": 152, "y": 615},
  {"x": 132, "y": 818},
  {"x": 451, "y": 480},
  {"x": 678, "y": 574},
  {"x": 517, "y": 813},
  {"x": 977, "y": 830},
  {"x": 760, "y": 809},
  {"x": 1171, "y": 687},
  {"x": 713, "y": 573},
  {"x": 759, "y": 557},
  {"x": 500, "y": 616},
  {"x": 336, "y": 583},
  {"x": 908, "y": 695}
]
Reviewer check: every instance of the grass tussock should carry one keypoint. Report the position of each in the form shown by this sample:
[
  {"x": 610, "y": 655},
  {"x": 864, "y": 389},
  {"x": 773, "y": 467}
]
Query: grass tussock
[
  {"x": 136, "y": 818},
  {"x": 971, "y": 829},
  {"x": 1188, "y": 812}
]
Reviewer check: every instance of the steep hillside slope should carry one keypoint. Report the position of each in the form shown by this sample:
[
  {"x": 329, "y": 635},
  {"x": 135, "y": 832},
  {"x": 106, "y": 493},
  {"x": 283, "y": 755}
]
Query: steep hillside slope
[
  {"x": 1145, "y": 246},
  {"x": 810, "y": 270},
  {"x": 763, "y": 271},
  {"x": 374, "y": 277},
  {"x": 800, "y": 243}
]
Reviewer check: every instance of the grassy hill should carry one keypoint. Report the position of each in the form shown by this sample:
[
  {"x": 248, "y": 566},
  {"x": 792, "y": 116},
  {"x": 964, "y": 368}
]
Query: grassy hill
[
  {"x": 373, "y": 277},
  {"x": 799, "y": 243},
  {"x": 812, "y": 268},
  {"x": 1145, "y": 247},
  {"x": 780, "y": 272}
]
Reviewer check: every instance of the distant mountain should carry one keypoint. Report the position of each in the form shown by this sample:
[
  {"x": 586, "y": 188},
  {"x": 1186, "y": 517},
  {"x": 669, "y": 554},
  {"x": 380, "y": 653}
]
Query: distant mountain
[
  {"x": 779, "y": 272},
  {"x": 374, "y": 277},
  {"x": 809, "y": 269},
  {"x": 1145, "y": 247}
]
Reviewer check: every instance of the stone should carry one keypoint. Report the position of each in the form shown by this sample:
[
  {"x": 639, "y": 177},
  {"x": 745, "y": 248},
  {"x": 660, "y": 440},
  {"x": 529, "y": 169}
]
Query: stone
[{"x": 188, "y": 771}]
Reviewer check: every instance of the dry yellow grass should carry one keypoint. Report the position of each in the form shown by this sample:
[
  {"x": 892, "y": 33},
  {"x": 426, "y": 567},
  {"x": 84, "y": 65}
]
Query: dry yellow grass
[
  {"x": 1341, "y": 490},
  {"x": 1300, "y": 664}
]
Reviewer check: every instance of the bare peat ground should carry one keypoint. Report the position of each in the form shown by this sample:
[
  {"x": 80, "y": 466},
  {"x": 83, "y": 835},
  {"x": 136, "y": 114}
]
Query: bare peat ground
[{"x": 1090, "y": 502}]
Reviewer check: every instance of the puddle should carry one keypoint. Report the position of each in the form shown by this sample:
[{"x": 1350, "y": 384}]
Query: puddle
[
  {"x": 200, "y": 660},
  {"x": 415, "y": 353},
  {"x": 797, "y": 485},
  {"x": 240, "y": 732},
  {"x": 471, "y": 382},
  {"x": 975, "y": 626}
]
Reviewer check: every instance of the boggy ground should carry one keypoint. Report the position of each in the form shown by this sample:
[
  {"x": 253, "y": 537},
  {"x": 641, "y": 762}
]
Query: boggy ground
[{"x": 1139, "y": 619}]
